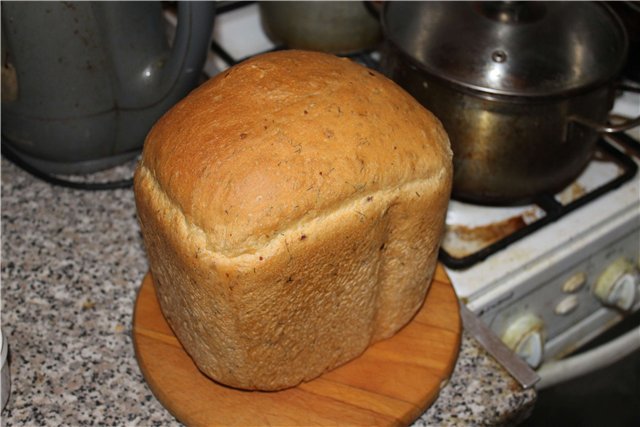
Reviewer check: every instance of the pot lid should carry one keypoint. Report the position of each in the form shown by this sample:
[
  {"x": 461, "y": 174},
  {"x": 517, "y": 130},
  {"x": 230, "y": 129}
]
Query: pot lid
[{"x": 510, "y": 48}]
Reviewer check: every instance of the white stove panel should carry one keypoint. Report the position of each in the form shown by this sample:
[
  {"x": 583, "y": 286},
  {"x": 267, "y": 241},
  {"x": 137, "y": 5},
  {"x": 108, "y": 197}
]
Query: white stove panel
[{"x": 562, "y": 296}]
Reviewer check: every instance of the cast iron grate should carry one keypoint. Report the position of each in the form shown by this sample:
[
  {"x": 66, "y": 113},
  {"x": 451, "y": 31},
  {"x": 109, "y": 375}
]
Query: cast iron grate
[{"x": 553, "y": 209}]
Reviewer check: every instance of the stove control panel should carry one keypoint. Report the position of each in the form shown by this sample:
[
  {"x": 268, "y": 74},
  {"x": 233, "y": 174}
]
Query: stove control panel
[
  {"x": 616, "y": 286},
  {"x": 592, "y": 290}
]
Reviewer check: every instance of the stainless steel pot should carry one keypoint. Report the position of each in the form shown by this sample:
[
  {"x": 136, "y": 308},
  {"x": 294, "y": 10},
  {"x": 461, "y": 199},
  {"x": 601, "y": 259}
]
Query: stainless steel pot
[{"x": 522, "y": 88}]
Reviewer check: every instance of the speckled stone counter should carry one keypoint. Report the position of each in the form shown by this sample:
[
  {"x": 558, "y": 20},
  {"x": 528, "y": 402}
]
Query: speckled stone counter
[{"x": 72, "y": 262}]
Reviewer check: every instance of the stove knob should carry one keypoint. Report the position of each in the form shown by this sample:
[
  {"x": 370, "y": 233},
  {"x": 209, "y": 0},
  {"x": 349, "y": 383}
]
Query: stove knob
[
  {"x": 616, "y": 286},
  {"x": 525, "y": 336}
]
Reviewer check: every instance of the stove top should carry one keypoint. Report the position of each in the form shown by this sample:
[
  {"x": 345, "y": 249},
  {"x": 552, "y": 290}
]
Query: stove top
[{"x": 476, "y": 232}]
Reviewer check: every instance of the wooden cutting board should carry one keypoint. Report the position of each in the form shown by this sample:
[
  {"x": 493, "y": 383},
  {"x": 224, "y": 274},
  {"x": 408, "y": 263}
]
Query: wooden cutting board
[{"x": 392, "y": 383}]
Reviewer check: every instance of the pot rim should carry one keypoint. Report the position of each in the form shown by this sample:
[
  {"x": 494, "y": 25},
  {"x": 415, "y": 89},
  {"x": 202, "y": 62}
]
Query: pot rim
[
  {"x": 506, "y": 95},
  {"x": 509, "y": 98}
]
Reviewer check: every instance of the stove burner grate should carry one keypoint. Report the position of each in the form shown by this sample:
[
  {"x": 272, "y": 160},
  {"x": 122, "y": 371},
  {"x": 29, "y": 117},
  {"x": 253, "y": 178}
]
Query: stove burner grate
[{"x": 552, "y": 208}]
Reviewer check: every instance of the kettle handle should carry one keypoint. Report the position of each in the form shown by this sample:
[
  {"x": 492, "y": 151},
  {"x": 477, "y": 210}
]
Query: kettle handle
[
  {"x": 146, "y": 72},
  {"x": 193, "y": 34}
]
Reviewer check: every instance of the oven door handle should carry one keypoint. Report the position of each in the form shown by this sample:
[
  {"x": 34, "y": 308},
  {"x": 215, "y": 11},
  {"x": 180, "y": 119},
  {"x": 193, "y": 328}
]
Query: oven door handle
[{"x": 556, "y": 372}]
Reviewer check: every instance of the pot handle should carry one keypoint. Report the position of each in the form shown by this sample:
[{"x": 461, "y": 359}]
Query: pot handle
[
  {"x": 626, "y": 124},
  {"x": 606, "y": 128}
]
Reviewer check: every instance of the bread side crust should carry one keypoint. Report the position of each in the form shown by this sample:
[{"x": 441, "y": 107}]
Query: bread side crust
[{"x": 312, "y": 299}]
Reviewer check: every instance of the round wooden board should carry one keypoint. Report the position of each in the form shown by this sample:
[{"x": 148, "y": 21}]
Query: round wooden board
[{"x": 392, "y": 383}]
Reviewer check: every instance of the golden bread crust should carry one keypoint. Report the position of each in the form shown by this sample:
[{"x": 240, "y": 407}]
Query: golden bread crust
[
  {"x": 292, "y": 210},
  {"x": 287, "y": 135}
]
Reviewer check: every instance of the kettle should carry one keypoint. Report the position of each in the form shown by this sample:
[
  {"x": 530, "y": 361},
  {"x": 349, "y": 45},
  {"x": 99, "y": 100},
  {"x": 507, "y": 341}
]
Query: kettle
[{"x": 83, "y": 82}]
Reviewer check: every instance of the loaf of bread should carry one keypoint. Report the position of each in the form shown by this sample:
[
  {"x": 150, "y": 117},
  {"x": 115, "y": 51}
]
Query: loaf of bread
[{"x": 292, "y": 209}]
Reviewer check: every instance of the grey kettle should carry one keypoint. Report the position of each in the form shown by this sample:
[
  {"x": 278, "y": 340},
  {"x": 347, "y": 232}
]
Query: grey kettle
[{"x": 83, "y": 82}]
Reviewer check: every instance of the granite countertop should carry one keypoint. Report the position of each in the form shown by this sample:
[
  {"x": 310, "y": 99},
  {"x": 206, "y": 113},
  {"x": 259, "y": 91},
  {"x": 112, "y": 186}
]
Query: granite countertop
[{"x": 72, "y": 262}]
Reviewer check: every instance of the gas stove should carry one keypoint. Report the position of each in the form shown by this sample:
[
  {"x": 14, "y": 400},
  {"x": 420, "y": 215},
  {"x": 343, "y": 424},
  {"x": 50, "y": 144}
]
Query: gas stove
[
  {"x": 546, "y": 277},
  {"x": 568, "y": 281}
]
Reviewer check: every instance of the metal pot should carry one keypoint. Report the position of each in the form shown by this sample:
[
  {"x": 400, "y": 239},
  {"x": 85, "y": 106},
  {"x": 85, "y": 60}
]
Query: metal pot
[
  {"x": 522, "y": 88},
  {"x": 329, "y": 26}
]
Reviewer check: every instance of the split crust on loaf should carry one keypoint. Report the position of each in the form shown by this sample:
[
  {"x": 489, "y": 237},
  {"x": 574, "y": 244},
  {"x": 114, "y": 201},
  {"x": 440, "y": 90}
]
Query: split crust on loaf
[
  {"x": 293, "y": 228},
  {"x": 285, "y": 252}
]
